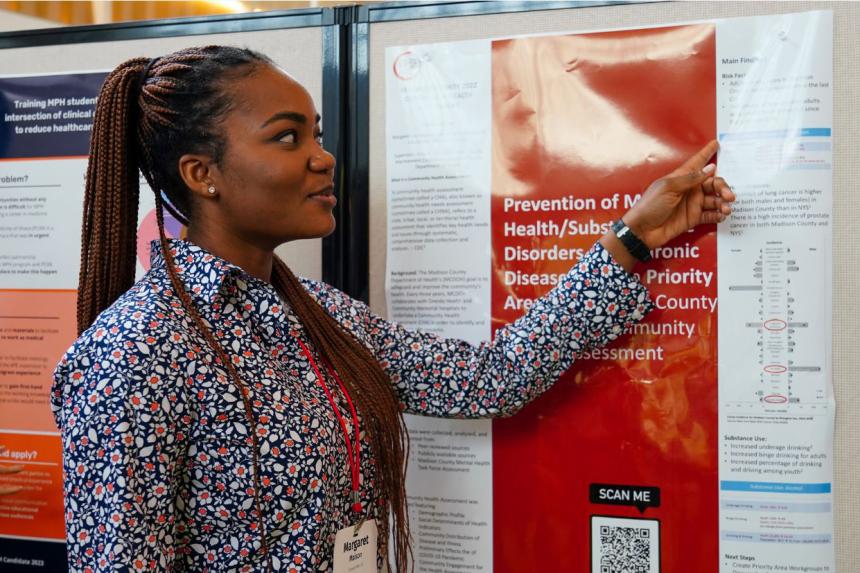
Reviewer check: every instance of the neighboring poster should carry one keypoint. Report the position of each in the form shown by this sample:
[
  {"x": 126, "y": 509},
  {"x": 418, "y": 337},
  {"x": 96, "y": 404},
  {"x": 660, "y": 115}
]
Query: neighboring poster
[
  {"x": 702, "y": 437},
  {"x": 45, "y": 124},
  {"x": 44, "y": 140}
]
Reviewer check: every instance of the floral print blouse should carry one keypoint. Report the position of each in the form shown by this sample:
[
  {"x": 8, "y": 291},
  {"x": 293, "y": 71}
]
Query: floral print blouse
[{"x": 158, "y": 471}]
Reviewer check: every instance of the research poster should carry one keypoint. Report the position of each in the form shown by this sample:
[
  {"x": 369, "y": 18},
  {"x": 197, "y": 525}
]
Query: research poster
[
  {"x": 45, "y": 125},
  {"x": 703, "y": 436}
]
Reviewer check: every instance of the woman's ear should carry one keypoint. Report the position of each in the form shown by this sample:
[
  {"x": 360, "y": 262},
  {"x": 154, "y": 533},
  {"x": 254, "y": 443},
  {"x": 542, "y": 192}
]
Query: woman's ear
[{"x": 198, "y": 173}]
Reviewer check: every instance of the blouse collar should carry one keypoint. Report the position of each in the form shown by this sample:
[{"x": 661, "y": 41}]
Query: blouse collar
[{"x": 205, "y": 275}]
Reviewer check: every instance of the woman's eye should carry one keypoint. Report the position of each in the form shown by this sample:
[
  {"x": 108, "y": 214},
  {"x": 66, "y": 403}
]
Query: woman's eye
[
  {"x": 288, "y": 137},
  {"x": 319, "y": 138}
]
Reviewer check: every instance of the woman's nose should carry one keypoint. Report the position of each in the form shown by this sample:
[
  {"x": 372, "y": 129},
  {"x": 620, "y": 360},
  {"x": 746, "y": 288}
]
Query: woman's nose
[{"x": 322, "y": 161}]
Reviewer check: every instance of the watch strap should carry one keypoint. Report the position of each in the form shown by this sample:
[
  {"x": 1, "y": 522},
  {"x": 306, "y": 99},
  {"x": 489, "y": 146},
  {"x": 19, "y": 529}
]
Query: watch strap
[{"x": 631, "y": 242}]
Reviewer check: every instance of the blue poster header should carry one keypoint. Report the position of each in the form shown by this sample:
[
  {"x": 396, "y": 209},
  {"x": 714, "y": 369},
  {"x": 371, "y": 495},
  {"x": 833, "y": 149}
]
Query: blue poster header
[{"x": 47, "y": 116}]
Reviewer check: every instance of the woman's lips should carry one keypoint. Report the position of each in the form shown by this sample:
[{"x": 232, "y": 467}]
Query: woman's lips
[{"x": 325, "y": 195}]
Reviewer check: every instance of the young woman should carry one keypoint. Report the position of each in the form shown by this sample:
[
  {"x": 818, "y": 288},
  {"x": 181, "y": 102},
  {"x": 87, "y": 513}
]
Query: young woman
[{"x": 221, "y": 414}]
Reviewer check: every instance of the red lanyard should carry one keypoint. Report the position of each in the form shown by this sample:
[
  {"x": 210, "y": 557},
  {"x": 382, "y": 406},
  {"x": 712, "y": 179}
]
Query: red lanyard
[{"x": 354, "y": 452}]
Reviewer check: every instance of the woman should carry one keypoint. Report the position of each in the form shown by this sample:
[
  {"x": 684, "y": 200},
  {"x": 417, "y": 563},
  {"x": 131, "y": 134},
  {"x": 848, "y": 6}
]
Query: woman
[{"x": 221, "y": 414}]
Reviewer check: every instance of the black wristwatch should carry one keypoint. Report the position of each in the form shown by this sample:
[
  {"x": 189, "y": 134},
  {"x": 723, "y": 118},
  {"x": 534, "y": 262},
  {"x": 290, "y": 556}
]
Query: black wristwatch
[{"x": 631, "y": 242}]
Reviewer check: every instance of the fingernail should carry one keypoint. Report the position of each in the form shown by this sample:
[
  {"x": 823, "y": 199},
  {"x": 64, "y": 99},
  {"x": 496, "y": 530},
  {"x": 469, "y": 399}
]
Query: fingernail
[{"x": 709, "y": 168}]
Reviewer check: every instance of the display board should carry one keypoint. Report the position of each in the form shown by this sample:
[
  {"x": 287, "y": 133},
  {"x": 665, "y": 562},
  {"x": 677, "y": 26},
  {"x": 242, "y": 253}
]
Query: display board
[
  {"x": 47, "y": 98},
  {"x": 22, "y": 385},
  {"x": 607, "y": 122}
]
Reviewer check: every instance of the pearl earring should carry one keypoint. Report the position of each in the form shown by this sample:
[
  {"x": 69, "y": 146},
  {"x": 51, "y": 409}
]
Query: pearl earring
[{"x": 211, "y": 189}]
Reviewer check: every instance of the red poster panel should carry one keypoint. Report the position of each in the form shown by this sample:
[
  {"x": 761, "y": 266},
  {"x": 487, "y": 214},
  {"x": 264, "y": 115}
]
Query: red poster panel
[
  {"x": 33, "y": 505},
  {"x": 592, "y": 119}
]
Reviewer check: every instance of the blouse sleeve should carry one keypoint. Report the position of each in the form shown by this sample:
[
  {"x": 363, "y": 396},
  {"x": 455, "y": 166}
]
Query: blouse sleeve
[
  {"x": 444, "y": 377},
  {"x": 122, "y": 417}
]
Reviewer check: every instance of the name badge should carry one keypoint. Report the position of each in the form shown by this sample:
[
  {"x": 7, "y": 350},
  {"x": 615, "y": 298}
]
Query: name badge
[{"x": 355, "y": 549}]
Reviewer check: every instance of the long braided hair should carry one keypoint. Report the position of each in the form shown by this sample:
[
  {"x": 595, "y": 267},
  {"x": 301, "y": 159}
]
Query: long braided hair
[{"x": 149, "y": 113}]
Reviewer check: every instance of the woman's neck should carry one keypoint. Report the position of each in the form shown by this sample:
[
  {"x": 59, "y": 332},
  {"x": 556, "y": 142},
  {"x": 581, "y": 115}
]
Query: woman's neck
[{"x": 254, "y": 260}]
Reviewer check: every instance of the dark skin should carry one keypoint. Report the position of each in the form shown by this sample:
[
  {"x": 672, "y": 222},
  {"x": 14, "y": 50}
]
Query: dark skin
[
  {"x": 275, "y": 183},
  {"x": 688, "y": 196}
]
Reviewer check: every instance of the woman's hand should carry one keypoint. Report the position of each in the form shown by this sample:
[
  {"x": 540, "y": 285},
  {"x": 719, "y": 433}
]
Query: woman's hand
[{"x": 688, "y": 196}]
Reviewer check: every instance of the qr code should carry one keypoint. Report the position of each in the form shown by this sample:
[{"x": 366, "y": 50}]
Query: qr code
[{"x": 620, "y": 545}]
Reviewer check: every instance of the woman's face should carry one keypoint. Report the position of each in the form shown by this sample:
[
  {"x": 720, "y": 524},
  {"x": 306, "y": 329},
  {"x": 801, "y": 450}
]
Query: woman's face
[{"x": 274, "y": 182}]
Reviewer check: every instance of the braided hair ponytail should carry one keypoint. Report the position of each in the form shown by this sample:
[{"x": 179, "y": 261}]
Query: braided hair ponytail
[{"x": 149, "y": 113}]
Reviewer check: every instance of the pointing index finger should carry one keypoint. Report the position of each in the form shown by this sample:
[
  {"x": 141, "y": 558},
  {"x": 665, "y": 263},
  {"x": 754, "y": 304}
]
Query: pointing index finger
[{"x": 699, "y": 159}]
